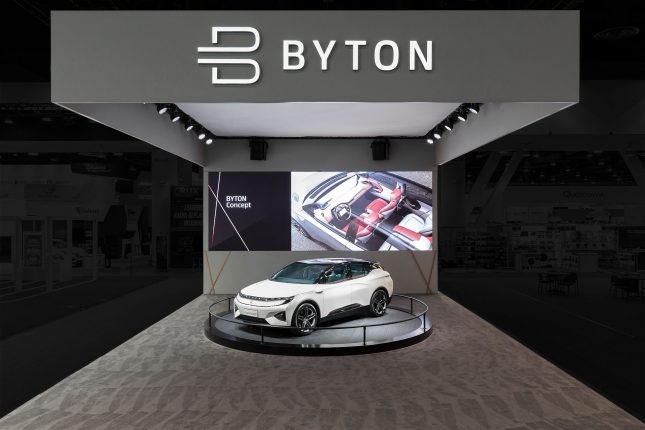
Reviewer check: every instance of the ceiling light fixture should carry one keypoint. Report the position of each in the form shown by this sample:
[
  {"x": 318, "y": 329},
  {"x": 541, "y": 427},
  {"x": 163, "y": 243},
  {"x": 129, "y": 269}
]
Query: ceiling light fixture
[
  {"x": 162, "y": 108},
  {"x": 447, "y": 126},
  {"x": 474, "y": 108},
  {"x": 209, "y": 141},
  {"x": 201, "y": 135},
  {"x": 189, "y": 125},
  {"x": 436, "y": 134},
  {"x": 430, "y": 141}
]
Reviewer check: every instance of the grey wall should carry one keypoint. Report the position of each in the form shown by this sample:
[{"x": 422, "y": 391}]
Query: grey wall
[
  {"x": 228, "y": 272},
  {"x": 304, "y": 155}
]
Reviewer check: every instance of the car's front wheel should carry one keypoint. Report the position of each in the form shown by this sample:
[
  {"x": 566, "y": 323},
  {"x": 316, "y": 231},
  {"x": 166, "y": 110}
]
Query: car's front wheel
[
  {"x": 378, "y": 303},
  {"x": 305, "y": 319}
]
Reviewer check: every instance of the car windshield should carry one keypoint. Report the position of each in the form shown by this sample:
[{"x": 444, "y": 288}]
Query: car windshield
[{"x": 300, "y": 273}]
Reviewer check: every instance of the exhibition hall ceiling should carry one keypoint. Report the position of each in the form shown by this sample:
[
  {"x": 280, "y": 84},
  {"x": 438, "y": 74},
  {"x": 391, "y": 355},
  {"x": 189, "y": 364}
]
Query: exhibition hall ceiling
[{"x": 318, "y": 119}]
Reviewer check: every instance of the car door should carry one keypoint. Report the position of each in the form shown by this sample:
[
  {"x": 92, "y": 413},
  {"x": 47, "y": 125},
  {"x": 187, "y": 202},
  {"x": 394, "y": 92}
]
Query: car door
[
  {"x": 360, "y": 284},
  {"x": 335, "y": 292}
]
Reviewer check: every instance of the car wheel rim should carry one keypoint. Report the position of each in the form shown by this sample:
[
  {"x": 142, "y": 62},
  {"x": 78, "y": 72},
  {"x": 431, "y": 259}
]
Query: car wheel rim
[
  {"x": 306, "y": 318},
  {"x": 379, "y": 302}
]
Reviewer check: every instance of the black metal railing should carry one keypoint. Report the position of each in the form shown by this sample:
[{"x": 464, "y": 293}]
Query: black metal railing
[{"x": 223, "y": 315}]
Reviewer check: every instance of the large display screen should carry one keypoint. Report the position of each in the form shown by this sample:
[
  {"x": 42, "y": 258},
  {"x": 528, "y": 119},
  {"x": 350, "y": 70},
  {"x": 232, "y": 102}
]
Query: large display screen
[{"x": 309, "y": 211}]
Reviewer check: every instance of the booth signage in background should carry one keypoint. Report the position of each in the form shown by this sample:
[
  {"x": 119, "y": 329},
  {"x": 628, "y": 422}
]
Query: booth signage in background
[
  {"x": 315, "y": 56},
  {"x": 186, "y": 211},
  {"x": 33, "y": 250},
  {"x": 186, "y": 207},
  {"x": 306, "y": 211}
]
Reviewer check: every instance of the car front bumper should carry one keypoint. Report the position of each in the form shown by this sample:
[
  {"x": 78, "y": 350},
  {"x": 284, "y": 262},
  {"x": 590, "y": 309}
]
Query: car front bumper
[{"x": 279, "y": 315}]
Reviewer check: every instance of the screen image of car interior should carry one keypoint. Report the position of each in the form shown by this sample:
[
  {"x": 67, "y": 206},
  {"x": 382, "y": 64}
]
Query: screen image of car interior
[{"x": 375, "y": 211}]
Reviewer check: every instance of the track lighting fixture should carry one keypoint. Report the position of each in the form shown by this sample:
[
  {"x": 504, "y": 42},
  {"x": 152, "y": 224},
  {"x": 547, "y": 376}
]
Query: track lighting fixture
[
  {"x": 473, "y": 107},
  {"x": 177, "y": 115}
]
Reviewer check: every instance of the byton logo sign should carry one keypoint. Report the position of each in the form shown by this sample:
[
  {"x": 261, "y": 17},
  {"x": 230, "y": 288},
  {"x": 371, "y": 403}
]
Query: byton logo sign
[
  {"x": 386, "y": 54},
  {"x": 216, "y": 79}
]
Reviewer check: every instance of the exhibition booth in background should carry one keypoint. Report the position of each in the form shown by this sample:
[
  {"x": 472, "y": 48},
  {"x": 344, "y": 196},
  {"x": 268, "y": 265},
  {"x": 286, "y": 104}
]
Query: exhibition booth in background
[{"x": 277, "y": 106}]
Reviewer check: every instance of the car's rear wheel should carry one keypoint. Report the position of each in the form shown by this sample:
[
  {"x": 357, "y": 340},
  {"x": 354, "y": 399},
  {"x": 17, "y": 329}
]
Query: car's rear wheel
[
  {"x": 378, "y": 303},
  {"x": 305, "y": 319}
]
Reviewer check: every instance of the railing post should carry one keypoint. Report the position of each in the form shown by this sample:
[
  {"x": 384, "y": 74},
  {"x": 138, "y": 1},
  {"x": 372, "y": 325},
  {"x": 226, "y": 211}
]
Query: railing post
[
  {"x": 424, "y": 322},
  {"x": 364, "y": 335},
  {"x": 262, "y": 333},
  {"x": 411, "y": 311},
  {"x": 210, "y": 317}
]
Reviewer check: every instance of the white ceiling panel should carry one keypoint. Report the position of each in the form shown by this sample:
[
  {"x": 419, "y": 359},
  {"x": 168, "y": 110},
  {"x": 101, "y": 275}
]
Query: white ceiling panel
[{"x": 318, "y": 119}]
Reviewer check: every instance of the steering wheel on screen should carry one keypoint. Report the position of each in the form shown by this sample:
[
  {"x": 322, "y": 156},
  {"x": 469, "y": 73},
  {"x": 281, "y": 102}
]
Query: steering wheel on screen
[{"x": 342, "y": 212}]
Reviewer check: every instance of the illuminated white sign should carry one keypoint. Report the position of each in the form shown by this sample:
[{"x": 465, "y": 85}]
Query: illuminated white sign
[
  {"x": 385, "y": 54},
  {"x": 216, "y": 79}
]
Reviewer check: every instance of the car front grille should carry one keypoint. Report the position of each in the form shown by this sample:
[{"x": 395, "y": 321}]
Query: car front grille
[
  {"x": 252, "y": 319},
  {"x": 259, "y": 299}
]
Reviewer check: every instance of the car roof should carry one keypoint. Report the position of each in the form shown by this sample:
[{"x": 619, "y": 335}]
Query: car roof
[{"x": 331, "y": 261}]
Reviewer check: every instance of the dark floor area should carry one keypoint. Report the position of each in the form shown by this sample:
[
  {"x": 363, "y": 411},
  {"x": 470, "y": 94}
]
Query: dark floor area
[
  {"x": 18, "y": 314},
  {"x": 33, "y": 360},
  {"x": 596, "y": 337}
]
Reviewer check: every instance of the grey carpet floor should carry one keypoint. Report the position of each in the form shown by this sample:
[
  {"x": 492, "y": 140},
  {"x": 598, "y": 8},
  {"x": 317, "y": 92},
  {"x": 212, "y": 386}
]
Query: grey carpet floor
[{"x": 467, "y": 375}]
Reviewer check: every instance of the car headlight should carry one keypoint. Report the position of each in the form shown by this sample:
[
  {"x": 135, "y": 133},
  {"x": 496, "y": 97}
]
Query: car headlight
[{"x": 285, "y": 300}]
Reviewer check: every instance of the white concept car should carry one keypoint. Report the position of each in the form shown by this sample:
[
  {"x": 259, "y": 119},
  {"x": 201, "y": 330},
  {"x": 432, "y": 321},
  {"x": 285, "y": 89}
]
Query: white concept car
[{"x": 307, "y": 292}]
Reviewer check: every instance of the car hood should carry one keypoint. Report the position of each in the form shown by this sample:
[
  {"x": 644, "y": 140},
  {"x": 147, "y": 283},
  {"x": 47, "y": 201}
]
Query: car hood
[{"x": 270, "y": 289}]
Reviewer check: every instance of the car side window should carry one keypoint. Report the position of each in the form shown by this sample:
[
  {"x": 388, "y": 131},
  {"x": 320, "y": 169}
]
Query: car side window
[
  {"x": 357, "y": 269},
  {"x": 337, "y": 273}
]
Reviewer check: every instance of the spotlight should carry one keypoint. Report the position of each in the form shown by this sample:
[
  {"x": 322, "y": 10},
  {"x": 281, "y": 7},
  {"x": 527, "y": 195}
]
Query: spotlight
[
  {"x": 162, "y": 108},
  {"x": 175, "y": 115},
  {"x": 447, "y": 126},
  {"x": 474, "y": 108},
  {"x": 430, "y": 141},
  {"x": 462, "y": 115},
  {"x": 436, "y": 134},
  {"x": 209, "y": 141},
  {"x": 189, "y": 125},
  {"x": 201, "y": 135},
  {"x": 258, "y": 149},
  {"x": 380, "y": 149}
]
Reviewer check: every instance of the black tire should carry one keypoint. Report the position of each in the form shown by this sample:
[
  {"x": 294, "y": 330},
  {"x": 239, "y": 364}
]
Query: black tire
[
  {"x": 305, "y": 319},
  {"x": 378, "y": 303}
]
